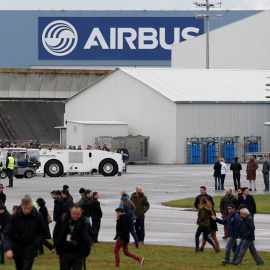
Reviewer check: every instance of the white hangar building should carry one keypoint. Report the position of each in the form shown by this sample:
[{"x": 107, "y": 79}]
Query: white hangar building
[
  {"x": 240, "y": 45},
  {"x": 170, "y": 105}
]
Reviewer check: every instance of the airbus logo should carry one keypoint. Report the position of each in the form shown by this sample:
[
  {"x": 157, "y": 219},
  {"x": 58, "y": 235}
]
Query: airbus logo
[{"x": 59, "y": 38}]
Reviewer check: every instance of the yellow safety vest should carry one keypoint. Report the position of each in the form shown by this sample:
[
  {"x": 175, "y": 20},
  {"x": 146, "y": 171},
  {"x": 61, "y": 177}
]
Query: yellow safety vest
[{"x": 10, "y": 163}]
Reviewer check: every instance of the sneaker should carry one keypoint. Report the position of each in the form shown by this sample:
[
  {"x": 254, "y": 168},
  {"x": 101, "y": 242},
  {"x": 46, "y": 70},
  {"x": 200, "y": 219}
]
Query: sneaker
[
  {"x": 141, "y": 261},
  {"x": 224, "y": 237},
  {"x": 225, "y": 261}
]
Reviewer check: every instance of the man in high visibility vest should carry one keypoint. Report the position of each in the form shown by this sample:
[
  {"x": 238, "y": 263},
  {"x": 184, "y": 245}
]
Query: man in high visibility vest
[{"x": 10, "y": 168}]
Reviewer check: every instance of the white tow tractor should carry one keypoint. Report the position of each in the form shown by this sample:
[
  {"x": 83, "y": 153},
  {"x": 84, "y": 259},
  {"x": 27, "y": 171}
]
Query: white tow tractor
[
  {"x": 26, "y": 162},
  {"x": 57, "y": 162}
]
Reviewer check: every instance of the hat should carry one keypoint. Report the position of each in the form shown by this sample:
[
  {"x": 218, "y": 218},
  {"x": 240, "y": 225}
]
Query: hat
[
  {"x": 82, "y": 190},
  {"x": 65, "y": 186},
  {"x": 1, "y": 186}
]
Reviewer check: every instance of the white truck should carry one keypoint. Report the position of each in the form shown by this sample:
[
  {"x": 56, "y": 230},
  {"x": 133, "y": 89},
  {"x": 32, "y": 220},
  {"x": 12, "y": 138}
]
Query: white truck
[{"x": 56, "y": 162}]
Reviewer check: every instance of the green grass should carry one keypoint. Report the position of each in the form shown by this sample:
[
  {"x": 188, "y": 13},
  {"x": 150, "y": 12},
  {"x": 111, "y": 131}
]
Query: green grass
[
  {"x": 262, "y": 203},
  {"x": 156, "y": 257}
]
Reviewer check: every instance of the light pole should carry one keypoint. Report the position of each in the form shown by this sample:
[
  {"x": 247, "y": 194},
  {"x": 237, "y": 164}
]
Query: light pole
[{"x": 207, "y": 17}]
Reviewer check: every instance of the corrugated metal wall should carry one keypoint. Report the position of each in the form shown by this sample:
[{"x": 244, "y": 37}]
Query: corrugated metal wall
[
  {"x": 44, "y": 85},
  {"x": 221, "y": 120},
  {"x": 122, "y": 98}
]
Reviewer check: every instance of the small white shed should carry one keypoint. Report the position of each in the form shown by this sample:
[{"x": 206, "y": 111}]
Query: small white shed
[{"x": 83, "y": 133}]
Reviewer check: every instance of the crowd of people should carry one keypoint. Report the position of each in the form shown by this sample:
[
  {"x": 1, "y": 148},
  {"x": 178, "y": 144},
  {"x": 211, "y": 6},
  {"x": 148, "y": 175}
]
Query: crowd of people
[
  {"x": 238, "y": 219},
  {"x": 220, "y": 171},
  {"x": 77, "y": 225}
]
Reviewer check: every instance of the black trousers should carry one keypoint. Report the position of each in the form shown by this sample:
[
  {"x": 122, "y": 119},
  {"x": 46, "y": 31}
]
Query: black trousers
[
  {"x": 23, "y": 263},
  {"x": 70, "y": 261},
  {"x": 96, "y": 227},
  {"x": 46, "y": 244},
  {"x": 139, "y": 227},
  {"x": 10, "y": 177},
  {"x": 236, "y": 180}
]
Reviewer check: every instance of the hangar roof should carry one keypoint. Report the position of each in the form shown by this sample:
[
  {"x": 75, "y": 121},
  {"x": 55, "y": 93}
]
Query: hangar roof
[
  {"x": 205, "y": 86},
  {"x": 108, "y": 122}
]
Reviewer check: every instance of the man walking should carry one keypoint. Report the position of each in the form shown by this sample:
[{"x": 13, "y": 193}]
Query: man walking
[
  {"x": 265, "y": 171},
  {"x": 203, "y": 194},
  {"x": 58, "y": 205},
  {"x": 252, "y": 166},
  {"x": 236, "y": 167},
  {"x": 4, "y": 217},
  {"x": 2, "y": 195},
  {"x": 248, "y": 200},
  {"x": 233, "y": 222},
  {"x": 24, "y": 233},
  {"x": 67, "y": 201},
  {"x": 85, "y": 202},
  {"x": 248, "y": 237},
  {"x": 142, "y": 206},
  {"x": 10, "y": 167},
  {"x": 96, "y": 215},
  {"x": 224, "y": 202},
  {"x": 72, "y": 238}
]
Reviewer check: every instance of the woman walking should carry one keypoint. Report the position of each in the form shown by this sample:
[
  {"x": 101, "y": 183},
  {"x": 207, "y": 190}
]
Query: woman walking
[
  {"x": 44, "y": 213},
  {"x": 129, "y": 208},
  {"x": 124, "y": 194},
  {"x": 223, "y": 172},
  {"x": 204, "y": 215},
  {"x": 217, "y": 174},
  {"x": 212, "y": 230}
]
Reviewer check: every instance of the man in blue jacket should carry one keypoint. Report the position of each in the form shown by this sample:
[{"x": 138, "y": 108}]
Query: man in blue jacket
[
  {"x": 248, "y": 237},
  {"x": 233, "y": 222}
]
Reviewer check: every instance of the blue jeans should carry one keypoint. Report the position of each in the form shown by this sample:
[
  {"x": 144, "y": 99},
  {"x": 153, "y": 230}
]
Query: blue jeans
[
  {"x": 217, "y": 179},
  {"x": 202, "y": 229},
  {"x": 133, "y": 233},
  {"x": 231, "y": 245},
  {"x": 266, "y": 180},
  {"x": 139, "y": 226},
  {"x": 237, "y": 250}
]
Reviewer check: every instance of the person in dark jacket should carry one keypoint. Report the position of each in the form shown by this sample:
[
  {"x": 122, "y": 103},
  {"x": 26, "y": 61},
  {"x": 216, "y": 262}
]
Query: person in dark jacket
[
  {"x": 66, "y": 187},
  {"x": 142, "y": 206},
  {"x": 24, "y": 232},
  {"x": 203, "y": 221},
  {"x": 72, "y": 238},
  {"x": 248, "y": 236},
  {"x": 44, "y": 213},
  {"x": 217, "y": 174},
  {"x": 2, "y": 194},
  {"x": 122, "y": 237},
  {"x": 233, "y": 222},
  {"x": 203, "y": 194},
  {"x": 265, "y": 171},
  {"x": 67, "y": 201},
  {"x": 212, "y": 230},
  {"x": 129, "y": 208},
  {"x": 248, "y": 200},
  {"x": 85, "y": 202},
  {"x": 236, "y": 167},
  {"x": 96, "y": 215},
  {"x": 58, "y": 205},
  {"x": 4, "y": 217},
  {"x": 224, "y": 202}
]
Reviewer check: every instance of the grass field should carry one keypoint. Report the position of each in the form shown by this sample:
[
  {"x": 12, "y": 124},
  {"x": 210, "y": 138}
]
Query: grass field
[
  {"x": 156, "y": 257},
  {"x": 262, "y": 203}
]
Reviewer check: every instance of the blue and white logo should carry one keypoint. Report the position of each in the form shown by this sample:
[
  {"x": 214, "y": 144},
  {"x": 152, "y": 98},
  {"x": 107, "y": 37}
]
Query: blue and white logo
[{"x": 59, "y": 38}]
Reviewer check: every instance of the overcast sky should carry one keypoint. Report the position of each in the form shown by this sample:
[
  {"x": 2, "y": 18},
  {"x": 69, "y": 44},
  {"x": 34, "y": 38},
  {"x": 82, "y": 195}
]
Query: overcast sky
[{"x": 127, "y": 4}]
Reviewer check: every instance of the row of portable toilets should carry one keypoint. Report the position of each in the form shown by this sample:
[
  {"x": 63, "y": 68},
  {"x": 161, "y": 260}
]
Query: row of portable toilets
[{"x": 206, "y": 150}]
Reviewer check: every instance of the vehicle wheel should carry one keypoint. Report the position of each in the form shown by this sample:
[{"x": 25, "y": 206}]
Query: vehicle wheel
[
  {"x": 108, "y": 167},
  {"x": 28, "y": 174},
  {"x": 18, "y": 176},
  {"x": 54, "y": 168},
  {"x": 3, "y": 174}
]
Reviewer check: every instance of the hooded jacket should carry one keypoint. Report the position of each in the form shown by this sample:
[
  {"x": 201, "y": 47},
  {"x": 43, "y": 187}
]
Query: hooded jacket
[{"x": 204, "y": 215}]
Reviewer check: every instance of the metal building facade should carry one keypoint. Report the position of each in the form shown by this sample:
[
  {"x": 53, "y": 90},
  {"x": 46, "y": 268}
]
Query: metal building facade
[
  {"x": 170, "y": 105},
  {"x": 19, "y": 36}
]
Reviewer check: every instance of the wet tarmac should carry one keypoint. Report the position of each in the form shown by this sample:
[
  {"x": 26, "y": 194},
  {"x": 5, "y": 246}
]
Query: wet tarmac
[{"x": 161, "y": 183}]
